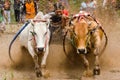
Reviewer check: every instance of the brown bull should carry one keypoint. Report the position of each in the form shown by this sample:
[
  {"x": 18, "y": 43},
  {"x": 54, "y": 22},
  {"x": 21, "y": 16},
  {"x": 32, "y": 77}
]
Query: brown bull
[{"x": 86, "y": 36}]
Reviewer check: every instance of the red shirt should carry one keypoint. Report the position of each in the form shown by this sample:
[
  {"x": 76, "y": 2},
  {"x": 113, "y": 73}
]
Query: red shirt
[{"x": 65, "y": 12}]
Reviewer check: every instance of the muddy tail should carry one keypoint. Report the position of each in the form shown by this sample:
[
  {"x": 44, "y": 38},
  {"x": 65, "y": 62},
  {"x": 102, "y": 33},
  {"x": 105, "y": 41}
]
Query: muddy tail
[
  {"x": 106, "y": 41},
  {"x": 14, "y": 38}
]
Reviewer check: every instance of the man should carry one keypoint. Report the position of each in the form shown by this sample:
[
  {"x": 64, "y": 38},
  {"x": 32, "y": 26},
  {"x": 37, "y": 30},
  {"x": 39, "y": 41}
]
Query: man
[
  {"x": 83, "y": 5},
  {"x": 30, "y": 9},
  {"x": 89, "y": 6},
  {"x": 7, "y": 5},
  {"x": 17, "y": 5}
]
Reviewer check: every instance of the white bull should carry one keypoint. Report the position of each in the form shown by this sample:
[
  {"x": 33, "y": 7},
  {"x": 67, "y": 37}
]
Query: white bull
[{"x": 35, "y": 37}]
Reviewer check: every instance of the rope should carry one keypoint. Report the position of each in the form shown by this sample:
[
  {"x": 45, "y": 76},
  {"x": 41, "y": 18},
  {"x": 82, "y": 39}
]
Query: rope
[
  {"x": 106, "y": 41},
  {"x": 70, "y": 60},
  {"x": 14, "y": 38}
]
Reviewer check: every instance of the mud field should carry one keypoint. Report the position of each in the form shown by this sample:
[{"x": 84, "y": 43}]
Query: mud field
[{"x": 58, "y": 65}]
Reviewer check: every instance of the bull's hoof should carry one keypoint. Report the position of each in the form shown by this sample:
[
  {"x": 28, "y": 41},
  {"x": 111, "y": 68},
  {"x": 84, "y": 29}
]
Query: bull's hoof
[
  {"x": 96, "y": 71},
  {"x": 39, "y": 74},
  {"x": 87, "y": 73},
  {"x": 46, "y": 74}
]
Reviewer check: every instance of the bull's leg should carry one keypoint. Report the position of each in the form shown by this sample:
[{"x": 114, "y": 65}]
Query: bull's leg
[
  {"x": 44, "y": 58},
  {"x": 37, "y": 66},
  {"x": 96, "y": 69},
  {"x": 86, "y": 73},
  {"x": 43, "y": 63},
  {"x": 85, "y": 62},
  {"x": 35, "y": 59}
]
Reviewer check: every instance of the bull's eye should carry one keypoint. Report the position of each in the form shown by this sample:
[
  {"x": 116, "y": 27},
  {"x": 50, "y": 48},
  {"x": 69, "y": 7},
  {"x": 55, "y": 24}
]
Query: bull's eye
[
  {"x": 45, "y": 33},
  {"x": 33, "y": 33}
]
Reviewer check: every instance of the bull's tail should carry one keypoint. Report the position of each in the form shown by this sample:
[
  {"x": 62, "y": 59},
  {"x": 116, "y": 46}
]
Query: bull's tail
[
  {"x": 24, "y": 26},
  {"x": 106, "y": 38},
  {"x": 106, "y": 41}
]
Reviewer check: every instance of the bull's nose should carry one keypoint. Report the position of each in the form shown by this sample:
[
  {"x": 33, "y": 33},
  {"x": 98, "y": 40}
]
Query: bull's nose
[
  {"x": 81, "y": 51},
  {"x": 40, "y": 49}
]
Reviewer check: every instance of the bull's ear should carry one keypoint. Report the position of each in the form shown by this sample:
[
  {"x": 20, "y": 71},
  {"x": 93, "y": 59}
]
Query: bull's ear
[{"x": 33, "y": 33}]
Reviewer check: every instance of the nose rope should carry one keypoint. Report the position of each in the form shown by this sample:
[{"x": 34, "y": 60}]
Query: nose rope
[
  {"x": 88, "y": 39},
  {"x": 34, "y": 41}
]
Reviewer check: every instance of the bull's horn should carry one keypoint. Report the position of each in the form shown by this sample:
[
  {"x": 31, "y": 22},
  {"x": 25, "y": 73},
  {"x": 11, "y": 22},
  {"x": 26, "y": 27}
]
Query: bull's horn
[{"x": 14, "y": 38}]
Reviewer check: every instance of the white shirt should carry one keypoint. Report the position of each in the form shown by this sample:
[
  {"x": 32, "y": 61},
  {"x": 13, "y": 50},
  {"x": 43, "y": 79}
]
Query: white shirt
[{"x": 83, "y": 5}]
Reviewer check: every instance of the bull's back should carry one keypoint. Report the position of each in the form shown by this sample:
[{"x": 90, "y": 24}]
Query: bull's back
[{"x": 23, "y": 38}]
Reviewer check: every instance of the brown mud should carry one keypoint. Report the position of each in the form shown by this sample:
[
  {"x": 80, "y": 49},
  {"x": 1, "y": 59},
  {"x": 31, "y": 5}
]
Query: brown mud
[{"x": 59, "y": 66}]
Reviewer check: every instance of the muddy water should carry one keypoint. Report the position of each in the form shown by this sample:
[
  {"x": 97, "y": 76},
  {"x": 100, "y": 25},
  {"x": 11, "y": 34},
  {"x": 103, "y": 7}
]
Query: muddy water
[{"x": 57, "y": 63}]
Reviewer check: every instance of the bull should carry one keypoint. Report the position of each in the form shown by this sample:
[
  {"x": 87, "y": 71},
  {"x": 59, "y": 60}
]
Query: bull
[
  {"x": 86, "y": 36},
  {"x": 34, "y": 36}
]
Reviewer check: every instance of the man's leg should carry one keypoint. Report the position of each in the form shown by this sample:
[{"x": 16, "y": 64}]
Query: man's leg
[{"x": 9, "y": 18}]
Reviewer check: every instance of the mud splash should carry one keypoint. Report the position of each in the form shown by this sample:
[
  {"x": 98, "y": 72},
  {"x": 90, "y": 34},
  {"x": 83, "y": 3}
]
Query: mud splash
[{"x": 57, "y": 63}]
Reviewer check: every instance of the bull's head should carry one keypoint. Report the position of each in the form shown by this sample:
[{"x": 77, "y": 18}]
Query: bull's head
[
  {"x": 81, "y": 32},
  {"x": 40, "y": 34}
]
